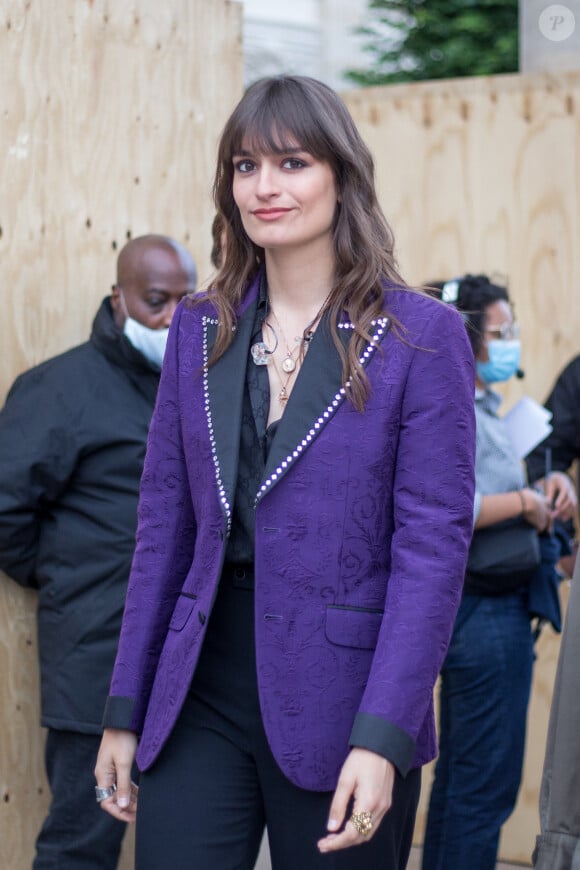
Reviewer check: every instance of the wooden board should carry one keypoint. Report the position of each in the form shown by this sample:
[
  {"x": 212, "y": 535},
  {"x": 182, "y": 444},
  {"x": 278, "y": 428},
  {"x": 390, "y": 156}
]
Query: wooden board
[
  {"x": 483, "y": 174},
  {"x": 109, "y": 115}
]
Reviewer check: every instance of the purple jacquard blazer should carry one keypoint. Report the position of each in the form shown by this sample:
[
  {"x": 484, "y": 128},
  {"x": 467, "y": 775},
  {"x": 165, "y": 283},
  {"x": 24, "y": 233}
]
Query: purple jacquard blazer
[{"x": 363, "y": 522}]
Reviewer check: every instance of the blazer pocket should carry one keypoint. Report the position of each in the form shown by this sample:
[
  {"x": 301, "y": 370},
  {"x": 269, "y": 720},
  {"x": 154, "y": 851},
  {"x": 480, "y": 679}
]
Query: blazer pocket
[
  {"x": 182, "y": 612},
  {"x": 353, "y": 626}
]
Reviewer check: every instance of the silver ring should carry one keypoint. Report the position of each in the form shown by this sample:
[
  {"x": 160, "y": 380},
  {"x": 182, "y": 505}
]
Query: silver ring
[{"x": 102, "y": 794}]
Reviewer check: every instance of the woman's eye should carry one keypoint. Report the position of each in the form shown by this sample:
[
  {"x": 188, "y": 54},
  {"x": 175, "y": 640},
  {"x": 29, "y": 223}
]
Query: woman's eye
[
  {"x": 293, "y": 163},
  {"x": 245, "y": 165}
]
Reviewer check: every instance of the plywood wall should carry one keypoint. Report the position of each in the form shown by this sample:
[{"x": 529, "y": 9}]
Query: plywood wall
[
  {"x": 109, "y": 114},
  {"x": 484, "y": 175}
]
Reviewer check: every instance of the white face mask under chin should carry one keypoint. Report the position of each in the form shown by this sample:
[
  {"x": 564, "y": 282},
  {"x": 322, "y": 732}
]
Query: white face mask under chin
[{"x": 151, "y": 342}]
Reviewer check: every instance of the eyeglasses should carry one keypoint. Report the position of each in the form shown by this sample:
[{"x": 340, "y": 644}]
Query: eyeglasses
[{"x": 505, "y": 332}]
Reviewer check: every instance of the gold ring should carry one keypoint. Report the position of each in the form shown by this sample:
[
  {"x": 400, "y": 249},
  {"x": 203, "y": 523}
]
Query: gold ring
[{"x": 363, "y": 823}]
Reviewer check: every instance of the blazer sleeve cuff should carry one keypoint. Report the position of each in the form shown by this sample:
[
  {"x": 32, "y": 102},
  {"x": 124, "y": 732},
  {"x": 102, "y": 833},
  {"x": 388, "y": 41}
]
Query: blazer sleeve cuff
[
  {"x": 384, "y": 738},
  {"x": 119, "y": 713}
]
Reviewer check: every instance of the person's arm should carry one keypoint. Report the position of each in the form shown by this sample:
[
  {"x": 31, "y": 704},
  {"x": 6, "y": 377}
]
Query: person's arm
[
  {"x": 38, "y": 455},
  {"x": 533, "y": 506},
  {"x": 433, "y": 506},
  {"x": 165, "y": 542}
]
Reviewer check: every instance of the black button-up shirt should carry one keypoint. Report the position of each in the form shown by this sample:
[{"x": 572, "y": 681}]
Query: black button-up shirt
[{"x": 255, "y": 440}]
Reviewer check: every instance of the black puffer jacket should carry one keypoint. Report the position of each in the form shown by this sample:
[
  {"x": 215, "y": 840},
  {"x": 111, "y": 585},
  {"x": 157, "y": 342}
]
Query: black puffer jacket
[
  {"x": 564, "y": 442},
  {"x": 72, "y": 445}
]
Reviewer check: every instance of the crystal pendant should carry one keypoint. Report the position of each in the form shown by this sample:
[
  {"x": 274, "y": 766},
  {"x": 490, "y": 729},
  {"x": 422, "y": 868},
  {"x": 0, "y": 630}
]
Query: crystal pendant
[{"x": 260, "y": 353}]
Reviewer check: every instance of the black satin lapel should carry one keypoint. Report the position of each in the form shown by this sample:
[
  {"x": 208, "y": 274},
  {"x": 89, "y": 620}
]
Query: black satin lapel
[
  {"x": 225, "y": 387},
  {"x": 319, "y": 382},
  {"x": 316, "y": 396}
]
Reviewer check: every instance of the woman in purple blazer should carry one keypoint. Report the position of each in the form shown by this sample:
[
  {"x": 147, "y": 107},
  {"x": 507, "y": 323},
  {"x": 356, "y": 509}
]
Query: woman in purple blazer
[{"x": 304, "y": 521}]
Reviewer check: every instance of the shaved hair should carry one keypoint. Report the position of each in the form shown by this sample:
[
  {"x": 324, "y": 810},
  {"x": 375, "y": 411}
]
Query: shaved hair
[{"x": 132, "y": 254}]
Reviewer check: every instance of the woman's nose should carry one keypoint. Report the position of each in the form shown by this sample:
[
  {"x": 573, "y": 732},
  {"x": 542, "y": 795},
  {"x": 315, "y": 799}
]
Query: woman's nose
[{"x": 266, "y": 184}]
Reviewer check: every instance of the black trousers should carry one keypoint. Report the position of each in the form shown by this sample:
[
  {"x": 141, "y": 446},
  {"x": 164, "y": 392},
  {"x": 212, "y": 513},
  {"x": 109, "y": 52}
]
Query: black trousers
[
  {"x": 206, "y": 801},
  {"x": 77, "y": 834}
]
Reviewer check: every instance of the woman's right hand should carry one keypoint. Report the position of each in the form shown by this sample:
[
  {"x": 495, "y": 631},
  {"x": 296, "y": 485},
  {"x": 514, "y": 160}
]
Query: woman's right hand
[
  {"x": 113, "y": 768},
  {"x": 536, "y": 509}
]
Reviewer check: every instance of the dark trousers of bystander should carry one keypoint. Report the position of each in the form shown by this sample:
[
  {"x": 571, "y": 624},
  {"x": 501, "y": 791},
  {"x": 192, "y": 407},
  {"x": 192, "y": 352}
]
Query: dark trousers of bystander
[
  {"x": 485, "y": 688},
  {"x": 77, "y": 834}
]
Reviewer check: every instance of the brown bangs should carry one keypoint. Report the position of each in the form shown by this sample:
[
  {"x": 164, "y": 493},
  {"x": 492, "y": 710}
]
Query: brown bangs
[{"x": 276, "y": 124}]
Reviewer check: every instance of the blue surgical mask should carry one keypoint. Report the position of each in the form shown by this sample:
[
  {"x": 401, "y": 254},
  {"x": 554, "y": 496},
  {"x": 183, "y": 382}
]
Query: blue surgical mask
[
  {"x": 151, "y": 342},
  {"x": 503, "y": 362}
]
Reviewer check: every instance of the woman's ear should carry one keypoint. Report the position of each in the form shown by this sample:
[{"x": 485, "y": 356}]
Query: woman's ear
[{"x": 117, "y": 304}]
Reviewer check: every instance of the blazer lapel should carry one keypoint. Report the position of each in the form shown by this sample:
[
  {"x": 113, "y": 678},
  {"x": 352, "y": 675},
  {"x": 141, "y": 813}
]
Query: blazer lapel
[
  {"x": 317, "y": 395},
  {"x": 224, "y": 392}
]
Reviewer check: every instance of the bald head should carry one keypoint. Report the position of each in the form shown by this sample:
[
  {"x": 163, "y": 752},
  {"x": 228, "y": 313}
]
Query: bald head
[
  {"x": 139, "y": 254},
  {"x": 154, "y": 272}
]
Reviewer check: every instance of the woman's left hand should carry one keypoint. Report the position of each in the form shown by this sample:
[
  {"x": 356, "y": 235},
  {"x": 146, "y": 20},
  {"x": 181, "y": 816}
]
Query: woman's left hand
[{"x": 368, "y": 779}]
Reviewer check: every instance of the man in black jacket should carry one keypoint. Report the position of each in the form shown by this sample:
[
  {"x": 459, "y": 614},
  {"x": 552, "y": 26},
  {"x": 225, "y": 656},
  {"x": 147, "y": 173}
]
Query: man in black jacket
[
  {"x": 72, "y": 445},
  {"x": 564, "y": 441},
  {"x": 558, "y": 846}
]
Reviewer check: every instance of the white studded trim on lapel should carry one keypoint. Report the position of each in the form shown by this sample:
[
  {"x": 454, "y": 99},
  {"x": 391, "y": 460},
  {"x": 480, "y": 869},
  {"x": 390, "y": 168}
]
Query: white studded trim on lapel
[
  {"x": 224, "y": 502},
  {"x": 279, "y": 463}
]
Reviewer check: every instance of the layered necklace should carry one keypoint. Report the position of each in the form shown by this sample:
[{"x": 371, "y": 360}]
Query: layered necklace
[
  {"x": 294, "y": 357},
  {"x": 295, "y": 351}
]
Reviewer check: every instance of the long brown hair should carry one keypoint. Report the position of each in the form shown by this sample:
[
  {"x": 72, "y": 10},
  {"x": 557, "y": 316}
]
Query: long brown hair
[{"x": 273, "y": 115}]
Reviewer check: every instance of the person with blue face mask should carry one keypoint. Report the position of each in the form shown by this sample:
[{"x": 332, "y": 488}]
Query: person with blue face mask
[
  {"x": 486, "y": 677},
  {"x": 72, "y": 444},
  {"x": 503, "y": 350}
]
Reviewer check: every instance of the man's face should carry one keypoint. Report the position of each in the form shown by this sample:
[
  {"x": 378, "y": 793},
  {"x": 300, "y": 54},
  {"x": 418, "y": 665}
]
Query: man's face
[{"x": 152, "y": 288}]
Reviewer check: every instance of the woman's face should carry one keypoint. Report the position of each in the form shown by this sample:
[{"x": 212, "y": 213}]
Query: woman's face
[
  {"x": 285, "y": 200},
  {"x": 498, "y": 325}
]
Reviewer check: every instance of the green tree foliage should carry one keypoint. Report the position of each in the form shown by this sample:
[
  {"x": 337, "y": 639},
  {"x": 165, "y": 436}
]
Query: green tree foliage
[{"x": 413, "y": 40}]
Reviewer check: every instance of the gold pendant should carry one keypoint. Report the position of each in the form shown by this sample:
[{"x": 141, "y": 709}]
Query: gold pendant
[
  {"x": 283, "y": 396},
  {"x": 288, "y": 365}
]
